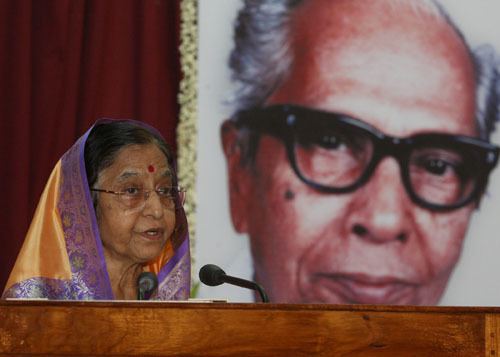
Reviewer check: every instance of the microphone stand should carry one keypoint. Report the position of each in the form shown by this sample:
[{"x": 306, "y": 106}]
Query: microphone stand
[{"x": 245, "y": 284}]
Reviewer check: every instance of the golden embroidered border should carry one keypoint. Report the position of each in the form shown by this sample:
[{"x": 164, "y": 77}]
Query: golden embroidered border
[{"x": 187, "y": 131}]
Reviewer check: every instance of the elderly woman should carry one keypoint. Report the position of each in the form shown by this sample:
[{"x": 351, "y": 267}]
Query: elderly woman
[{"x": 110, "y": 211}]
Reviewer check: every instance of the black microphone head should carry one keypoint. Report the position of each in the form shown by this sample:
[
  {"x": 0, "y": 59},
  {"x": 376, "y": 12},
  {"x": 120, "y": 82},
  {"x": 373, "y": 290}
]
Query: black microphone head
[
  {"x": 147, "y": 283},
  {"x": 211, "y": 275}
]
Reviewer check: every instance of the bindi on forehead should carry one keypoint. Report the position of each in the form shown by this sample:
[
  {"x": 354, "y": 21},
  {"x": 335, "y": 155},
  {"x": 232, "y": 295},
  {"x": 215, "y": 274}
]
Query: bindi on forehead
[{"x": 151, "y": 168}]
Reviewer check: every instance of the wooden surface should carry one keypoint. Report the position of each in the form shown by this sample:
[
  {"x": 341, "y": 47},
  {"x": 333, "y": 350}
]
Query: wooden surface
[{"x": 221, "y": 329}]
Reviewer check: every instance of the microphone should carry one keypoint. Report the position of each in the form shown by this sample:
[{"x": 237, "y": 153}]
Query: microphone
[
  {"x": 146, "y": 284},
  {"x": 212, "y": 275}
]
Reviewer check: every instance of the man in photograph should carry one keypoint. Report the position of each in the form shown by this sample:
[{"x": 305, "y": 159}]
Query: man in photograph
[{"x": 359, "y": 147}]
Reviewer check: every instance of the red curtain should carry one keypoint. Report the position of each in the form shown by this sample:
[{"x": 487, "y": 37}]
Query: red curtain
[{"x": 63, "y": 64}]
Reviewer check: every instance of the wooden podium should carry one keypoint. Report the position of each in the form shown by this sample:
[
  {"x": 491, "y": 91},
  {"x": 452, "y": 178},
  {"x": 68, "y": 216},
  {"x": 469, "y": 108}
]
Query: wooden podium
[{"x": 47, "y": 328}]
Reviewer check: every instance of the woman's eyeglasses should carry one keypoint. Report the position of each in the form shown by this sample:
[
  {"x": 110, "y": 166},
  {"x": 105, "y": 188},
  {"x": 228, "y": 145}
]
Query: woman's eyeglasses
[
  {"x": 171, "y": 197},
  {"x": 335, "y": 153}
]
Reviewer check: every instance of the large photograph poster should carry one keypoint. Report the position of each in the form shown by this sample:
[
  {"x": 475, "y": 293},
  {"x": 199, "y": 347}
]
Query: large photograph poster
[{"x": 423, "y": 260}]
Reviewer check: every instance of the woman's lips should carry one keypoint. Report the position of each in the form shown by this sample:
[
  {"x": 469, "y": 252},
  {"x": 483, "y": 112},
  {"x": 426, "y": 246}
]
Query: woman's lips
[
  {"x": 360, "y": 288},
  {"x": 152, "y": 233}
]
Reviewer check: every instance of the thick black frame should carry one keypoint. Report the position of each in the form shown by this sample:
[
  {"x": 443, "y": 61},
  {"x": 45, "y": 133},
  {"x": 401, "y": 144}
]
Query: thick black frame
[{"x": 282, "y": 121}]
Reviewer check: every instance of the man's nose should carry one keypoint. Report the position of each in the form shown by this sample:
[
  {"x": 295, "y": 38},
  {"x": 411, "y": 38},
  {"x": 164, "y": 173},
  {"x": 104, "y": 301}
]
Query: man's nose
[{"x": 381, "y": 209}]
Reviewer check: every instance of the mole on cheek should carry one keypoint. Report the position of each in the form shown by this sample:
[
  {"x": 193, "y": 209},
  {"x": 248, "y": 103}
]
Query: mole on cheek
[{"x": 289, "y": 195}]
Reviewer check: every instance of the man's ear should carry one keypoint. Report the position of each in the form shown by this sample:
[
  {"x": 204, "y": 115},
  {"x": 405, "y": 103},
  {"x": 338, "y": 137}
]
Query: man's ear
[{"x": 239, "y": 176}]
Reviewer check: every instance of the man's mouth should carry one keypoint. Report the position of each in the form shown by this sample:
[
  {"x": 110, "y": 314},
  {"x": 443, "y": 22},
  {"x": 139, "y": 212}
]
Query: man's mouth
[{"x": 360, "y": 288}]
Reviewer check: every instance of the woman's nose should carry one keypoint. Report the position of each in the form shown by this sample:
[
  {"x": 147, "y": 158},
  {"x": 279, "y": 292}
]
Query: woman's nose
[
  {"x": 380, "y": 210},
  {"x": 152, "y": 205}
]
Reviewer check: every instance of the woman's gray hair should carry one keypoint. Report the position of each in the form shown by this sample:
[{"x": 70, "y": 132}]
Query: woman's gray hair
[{"x": 261, "y": 57}]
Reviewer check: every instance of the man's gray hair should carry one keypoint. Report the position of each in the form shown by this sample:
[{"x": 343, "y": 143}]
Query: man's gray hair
[{"x": 261, "y": 57}]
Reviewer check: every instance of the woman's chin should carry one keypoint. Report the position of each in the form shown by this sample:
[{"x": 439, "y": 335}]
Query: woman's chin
[{"x": 149, "y": 250}]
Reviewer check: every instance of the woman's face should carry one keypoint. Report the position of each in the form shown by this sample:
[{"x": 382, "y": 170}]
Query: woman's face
[{"x": 134, "y": 234}]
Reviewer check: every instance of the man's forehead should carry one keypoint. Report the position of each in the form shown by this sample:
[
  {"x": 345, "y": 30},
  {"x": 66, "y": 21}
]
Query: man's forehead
[
  {"x": 350, "y": 55},
  {"x": 352, "y": 18},
  {"x": 417, "y": 7},
  {"x": 377, "y": 38}
]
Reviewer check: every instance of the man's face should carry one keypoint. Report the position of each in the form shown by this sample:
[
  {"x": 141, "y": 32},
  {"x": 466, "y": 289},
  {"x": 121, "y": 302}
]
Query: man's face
[{"x": 403, "y": 74}]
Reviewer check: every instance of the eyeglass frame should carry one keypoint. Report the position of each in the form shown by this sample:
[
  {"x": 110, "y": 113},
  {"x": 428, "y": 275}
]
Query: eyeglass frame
[
  {"x": 280, "y": 121},
  {"x": 147, "y": 193}
]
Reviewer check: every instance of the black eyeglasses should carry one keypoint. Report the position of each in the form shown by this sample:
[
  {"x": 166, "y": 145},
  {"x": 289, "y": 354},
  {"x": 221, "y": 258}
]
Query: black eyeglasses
[{"x": 335, "y": 153}]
